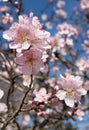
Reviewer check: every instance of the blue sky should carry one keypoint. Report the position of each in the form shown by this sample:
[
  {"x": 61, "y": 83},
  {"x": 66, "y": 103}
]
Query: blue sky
[
  {"x": 34, "y": 5},
  {"x": 38, "y": 5}
]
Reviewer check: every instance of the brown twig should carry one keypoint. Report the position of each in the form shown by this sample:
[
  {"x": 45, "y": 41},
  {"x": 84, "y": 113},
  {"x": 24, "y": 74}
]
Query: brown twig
[{"x": 21, "y": 105}]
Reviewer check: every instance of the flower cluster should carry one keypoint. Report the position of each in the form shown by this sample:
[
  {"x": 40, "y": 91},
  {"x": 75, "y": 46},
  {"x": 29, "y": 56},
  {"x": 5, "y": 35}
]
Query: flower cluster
[
  {"x": 30, "y": 42},
  {"x": 83, "y": 65},
  {"x": 63, "y": 41},
  {"x": 41, "y": 95},
  {"x": 67, "y": 30},
  {"x": 70, "y": 89}
]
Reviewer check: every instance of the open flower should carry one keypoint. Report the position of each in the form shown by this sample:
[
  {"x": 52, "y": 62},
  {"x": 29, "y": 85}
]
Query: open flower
[
  {"x": 30, "y": 61},
  {"x": 83, "y": 64},
  {"x": 70, "y": 89},
  {"x": 67, "y": 29},
  {"x": 27, "y": 32},
  {"x": 41, "y": 95}
]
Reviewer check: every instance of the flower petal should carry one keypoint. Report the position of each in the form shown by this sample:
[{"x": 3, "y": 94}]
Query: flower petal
[
  {"x": 82, "y": 91},
  {"x": 6, "y": 36},
  {"x": 69, "y": 102},
  {"x": 61, "y": 94},
  {"x": 25, "y": 45},
  {"x": 27, "y": 69}
]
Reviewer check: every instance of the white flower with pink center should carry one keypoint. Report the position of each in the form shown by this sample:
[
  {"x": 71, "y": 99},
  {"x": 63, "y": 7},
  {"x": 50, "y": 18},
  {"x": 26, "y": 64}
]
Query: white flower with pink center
[
  {"x": 41, "y": 95},
  {"x": 27, "y": 32},
  {"x": 70, "y": 89},
  {"x": 30, "y": 61}
]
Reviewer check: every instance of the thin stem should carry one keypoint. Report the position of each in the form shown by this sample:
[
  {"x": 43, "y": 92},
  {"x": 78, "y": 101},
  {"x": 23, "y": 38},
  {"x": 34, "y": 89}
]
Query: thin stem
[{"x": 21, "y": 105}]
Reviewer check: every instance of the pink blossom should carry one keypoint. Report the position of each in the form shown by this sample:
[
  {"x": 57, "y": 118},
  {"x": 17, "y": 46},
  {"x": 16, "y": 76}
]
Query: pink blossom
[
  {"x": 27, "y": 32},
  {"x": 60, "y": 4},
  {"x": 67, "y": 29},
  {"x": 4, "y": 8},
  {"x": 7, "y": 18},
  {"x": 86, "y": 85},
  {"x": 55, "y": 101},
  {"x": 26, "y": 120},
  {"x": 61, "y": 13},
  {"x": 84, "y": 5},
  {"x": 44, "y": 17},
  {"x": 62, "y": 45},
  {"x": 83, "y": 64},
  {"x": 48, "y": 25},
  {"x": 55, "y": 69},
  {"x": 51, "y": 81},
  {"x": 41, "y": 95},
  {"x": 80, "y": 113},
  {"x": 30, "y": 61},
  {"x": 70, "y": 89},
  {"x": 44, "y": 69}
]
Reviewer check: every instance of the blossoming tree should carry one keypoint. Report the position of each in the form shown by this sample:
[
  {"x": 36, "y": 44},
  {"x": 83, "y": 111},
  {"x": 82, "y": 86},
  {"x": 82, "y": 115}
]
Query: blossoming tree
[{"x": 44, "y": 77}]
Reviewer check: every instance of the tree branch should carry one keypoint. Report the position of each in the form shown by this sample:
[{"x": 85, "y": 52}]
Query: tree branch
[{"x": 21, "y": 105}]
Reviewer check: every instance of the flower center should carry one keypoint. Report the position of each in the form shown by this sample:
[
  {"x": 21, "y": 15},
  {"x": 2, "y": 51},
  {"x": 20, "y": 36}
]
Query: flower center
[
  {"x": 22, "y": 35},
  {"x": 24, "y": 38},
  {"x": 70, "y": 93},
  {"x": 30, "y": 60}
]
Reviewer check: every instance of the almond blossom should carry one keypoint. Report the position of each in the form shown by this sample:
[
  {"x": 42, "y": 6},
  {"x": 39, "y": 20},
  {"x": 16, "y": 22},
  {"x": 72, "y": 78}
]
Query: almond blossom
[
  {"x": 26, "y": 120},
  {"x": 80, "y": 113},
  {"x": 62, "y": 45},
  {"x": 83, "y": 64},
  {"x": 60, "y": 4},
  {"x": 4, "y": 8},
  {"x": 30, "y": 61},
  {"x": 67, "y": 29},
  {"x": 41, "y": 95},
  {"x": 44, "y": 17},
  {"x": 84, "y": 5},
  {"x": 86, "y": 85},
  {"x": 7, "y": 18},
  {"x": 61, "y": 13},
  {"x": 70, "y": 89},
  {"x": 27, "y": 32}
]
